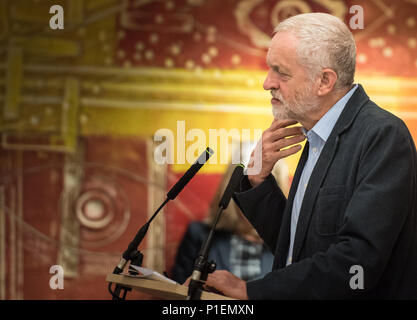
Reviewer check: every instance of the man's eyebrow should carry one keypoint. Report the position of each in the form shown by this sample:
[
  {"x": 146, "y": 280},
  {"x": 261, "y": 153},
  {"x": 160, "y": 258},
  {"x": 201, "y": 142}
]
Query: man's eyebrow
[{"x": 279, "y": 69}]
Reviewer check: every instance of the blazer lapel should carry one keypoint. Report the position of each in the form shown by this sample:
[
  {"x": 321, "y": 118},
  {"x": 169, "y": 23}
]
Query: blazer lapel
[
  {"x": 284, "y": 234},
  {"x": 355, "y": 103},
  {"x": 314, "y": 184}
]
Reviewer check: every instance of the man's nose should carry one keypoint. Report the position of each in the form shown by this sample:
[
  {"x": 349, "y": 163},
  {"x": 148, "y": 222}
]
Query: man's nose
[{"x": 270, "y": 83}]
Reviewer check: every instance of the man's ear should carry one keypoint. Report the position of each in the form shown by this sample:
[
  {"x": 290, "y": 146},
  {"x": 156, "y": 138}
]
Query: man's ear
[{"x": 327, "y": 82}]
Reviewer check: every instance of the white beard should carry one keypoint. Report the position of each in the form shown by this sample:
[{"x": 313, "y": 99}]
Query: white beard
[{"x": 303, "y": 103}]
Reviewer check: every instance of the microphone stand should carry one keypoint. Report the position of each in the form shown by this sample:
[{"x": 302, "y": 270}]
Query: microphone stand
[
  {"x": 132, "y": 253},
  {"x": 202, "y": 267}
]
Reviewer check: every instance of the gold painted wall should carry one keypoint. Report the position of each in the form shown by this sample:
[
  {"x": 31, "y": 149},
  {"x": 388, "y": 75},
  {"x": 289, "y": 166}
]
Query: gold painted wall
[{"x": 79, "y": 109}]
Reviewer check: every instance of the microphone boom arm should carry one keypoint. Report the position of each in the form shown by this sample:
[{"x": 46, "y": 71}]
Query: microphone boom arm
[{"x": 132, "y": 253}]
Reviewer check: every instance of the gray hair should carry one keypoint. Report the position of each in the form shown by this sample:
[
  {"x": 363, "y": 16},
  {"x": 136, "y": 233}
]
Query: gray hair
[{"x": 324, "y": 41}]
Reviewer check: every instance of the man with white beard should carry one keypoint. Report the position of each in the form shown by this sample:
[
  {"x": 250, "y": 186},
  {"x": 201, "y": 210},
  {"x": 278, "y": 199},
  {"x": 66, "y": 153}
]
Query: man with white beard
[{"x": 352, "y": 203}]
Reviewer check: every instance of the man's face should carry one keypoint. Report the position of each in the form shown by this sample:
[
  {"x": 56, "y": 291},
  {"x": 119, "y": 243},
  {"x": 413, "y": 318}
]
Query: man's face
[{"x": 292, "y": 90}]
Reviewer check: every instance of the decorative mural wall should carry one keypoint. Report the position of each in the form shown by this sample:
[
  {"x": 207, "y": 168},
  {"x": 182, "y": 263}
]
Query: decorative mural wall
[{"x": 79, "y": 108}]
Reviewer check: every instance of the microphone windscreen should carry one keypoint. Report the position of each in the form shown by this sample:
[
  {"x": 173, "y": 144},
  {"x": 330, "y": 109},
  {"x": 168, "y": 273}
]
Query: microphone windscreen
[
  {"x": 190, "y": 173},
  {"x": 232, "y": 186}
]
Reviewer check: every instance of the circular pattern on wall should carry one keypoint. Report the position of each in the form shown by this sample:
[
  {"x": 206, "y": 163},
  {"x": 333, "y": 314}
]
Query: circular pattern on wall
[
  {"x": 102, "y": 209},
  {"x": 94, "y": 209}
]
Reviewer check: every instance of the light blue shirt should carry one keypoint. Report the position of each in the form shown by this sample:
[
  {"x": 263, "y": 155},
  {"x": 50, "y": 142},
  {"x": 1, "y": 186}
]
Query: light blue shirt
[{"x": 316, "y": 137}]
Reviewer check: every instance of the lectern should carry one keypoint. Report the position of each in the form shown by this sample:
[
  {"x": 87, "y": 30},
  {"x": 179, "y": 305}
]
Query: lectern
[{"x": 160, "y": 289}]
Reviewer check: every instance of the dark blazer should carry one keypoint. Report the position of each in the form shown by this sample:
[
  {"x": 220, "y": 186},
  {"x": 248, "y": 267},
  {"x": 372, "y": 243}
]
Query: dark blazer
[
  {"x": 190, "y": 246},
  {"x": 359, "y": 208}
]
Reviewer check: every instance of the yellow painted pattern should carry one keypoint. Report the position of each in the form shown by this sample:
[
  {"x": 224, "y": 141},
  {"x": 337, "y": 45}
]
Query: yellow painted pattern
[
  {"x": 75, "y": 67},
  {"x": 14, "y": 82}
]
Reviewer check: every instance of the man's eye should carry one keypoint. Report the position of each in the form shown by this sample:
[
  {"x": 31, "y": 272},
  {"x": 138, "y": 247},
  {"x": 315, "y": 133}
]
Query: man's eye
[{"x": 283, "y": 75}]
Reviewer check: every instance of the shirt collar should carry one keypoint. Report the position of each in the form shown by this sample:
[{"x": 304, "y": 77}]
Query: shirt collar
[{"x": 325, "y": 125}]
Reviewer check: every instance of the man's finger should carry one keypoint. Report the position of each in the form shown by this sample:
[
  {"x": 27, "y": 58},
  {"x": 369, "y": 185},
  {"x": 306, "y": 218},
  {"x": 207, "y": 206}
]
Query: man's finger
[
  {"x": 285, "y": 132},
  {"x": 281, "y": 123},
  {"x": 283, "y": 143},
  {"x": 187, "y": 282},
  {"x": 290, "y": 151}
]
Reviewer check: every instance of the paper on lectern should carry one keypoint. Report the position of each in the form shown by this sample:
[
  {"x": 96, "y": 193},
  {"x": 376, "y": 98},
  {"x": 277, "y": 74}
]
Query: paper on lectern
[{"x": 150, "y": 274}]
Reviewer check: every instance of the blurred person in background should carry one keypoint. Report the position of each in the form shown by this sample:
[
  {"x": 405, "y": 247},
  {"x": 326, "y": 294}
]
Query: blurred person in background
[{"x": 236, "y": 245}]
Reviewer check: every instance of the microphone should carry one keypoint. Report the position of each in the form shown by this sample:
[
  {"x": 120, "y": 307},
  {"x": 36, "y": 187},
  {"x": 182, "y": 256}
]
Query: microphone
[
  {"x": 232, "y": 186},
  {"x": 202, "y": 267},
  {"x": 224, "y": 202},
  {"x": 176, "y": 189},
  {"x": 131, "y": 253}
]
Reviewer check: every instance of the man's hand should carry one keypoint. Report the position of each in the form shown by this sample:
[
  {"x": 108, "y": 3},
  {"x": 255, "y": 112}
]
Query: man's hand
[
  {"x": 269, "y": 149},
  {"x": 187, "y": 281},
  {"x": 228, "y": 284}
]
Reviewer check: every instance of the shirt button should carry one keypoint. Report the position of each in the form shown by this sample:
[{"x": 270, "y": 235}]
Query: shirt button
[
  {"x": 305, "y": 185},
  {"x": 314, "y": 149}
]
